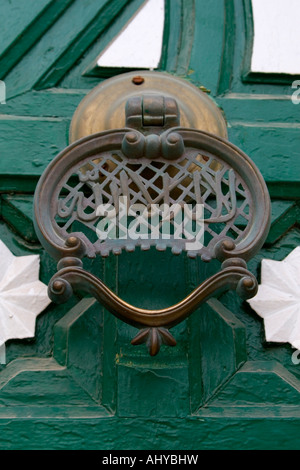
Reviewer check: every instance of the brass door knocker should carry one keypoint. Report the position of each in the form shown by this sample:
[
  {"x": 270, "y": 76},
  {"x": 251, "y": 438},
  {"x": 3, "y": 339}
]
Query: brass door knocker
[{"x": 174, "y": 187}]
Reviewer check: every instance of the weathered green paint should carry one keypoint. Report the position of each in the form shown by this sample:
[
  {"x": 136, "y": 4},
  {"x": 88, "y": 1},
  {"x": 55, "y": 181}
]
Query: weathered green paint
[
  {"x": 87, "y": 36},
  {"x": 259, "y": 109},
  {"x": 90, "y": 60},
  {"x": 285, "y": 215},
  {"x": 227, "y": 59},
  {"x": 221, "y": 341},
  {"x": 23, "y": 23},
  {"x": 27, "y": 146},
  {"x": 17, "y": 212},
  {"x": 79, "y": 384},
  {"x": 48, "y": 51},
  {"x": 274, "y": 149},
  {"x": 260, "y": 383},
  {"x": 205, "y": 60},
  {"x": 186, "y": 38},
  {"x": 50, "y": 103},
  {"x": 208, "y": 432},
  {"x": 178, "y": 41}
]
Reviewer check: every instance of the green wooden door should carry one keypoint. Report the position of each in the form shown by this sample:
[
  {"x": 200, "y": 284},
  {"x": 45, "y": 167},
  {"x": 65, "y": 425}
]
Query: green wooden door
[{"x": 79, "y": 384}]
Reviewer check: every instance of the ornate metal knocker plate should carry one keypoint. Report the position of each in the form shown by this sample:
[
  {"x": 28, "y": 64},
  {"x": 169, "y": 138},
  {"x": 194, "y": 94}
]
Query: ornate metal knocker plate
[{"x": 151, "y": 162}]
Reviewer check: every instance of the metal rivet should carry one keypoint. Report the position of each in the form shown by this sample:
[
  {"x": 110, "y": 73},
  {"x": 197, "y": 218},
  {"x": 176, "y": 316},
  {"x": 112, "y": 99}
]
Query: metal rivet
[
  {"x": 71, "y": 241},
  {"x": 248, "y": 282},
  {"x": 132, "y": 137},
  {"x": 138, "y": 80},
  {"x": 173, "y": 138},
  {"x": 58, "y": 285}
]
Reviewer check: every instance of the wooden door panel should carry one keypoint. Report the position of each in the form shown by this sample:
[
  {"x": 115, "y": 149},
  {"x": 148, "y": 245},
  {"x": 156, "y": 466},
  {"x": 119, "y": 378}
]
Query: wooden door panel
[{"x": 223, "y": 386}]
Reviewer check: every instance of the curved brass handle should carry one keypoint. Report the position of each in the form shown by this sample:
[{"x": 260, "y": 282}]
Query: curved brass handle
[{"x": 154, "y": 324}]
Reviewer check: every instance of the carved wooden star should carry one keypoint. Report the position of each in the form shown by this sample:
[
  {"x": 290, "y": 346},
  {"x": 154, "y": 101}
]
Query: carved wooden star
[
  {"x": 278, "y": 299},
  {"x": 22, "y": 296}
]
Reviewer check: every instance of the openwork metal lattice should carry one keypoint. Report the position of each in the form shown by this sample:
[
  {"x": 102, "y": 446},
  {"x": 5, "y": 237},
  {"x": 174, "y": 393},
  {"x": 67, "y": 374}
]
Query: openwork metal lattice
[
  {"x": 193, "y": 179},
  {"x": 150, "y": 164}
]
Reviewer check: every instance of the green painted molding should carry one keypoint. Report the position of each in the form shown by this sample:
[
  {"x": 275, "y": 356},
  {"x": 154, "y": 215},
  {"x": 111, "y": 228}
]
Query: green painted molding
[
  {"x": 180, "y": 47},
  {"x": 217, "y": 349},
  {"x": 245, "y": 387},
  {"x": 17, "y": 212},
  {"x": 259, "y": 109},
  {"x": 229, "y": 38},
  {"x": 237, "y": 52},
  {"x": 27, "y": 21},
  {"x": 177, "y": 42},
  {"x": 89, "y": 67},
  {"x": 61, "y": 46},
  {"x": 81, "y": 431},
  {"x": 58, "y": 103},
  {"x": 86, "y": 38},
  {"x": 256, "y": 77},
  {"x": 208, "y": 38},
  {"x": 23, "y": 364},
  {"x": 285, "y": 216}
]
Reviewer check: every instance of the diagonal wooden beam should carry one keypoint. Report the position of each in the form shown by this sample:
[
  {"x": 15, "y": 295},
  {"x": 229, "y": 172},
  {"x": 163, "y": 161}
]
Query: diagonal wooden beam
[{"x": 27, "y": 22}]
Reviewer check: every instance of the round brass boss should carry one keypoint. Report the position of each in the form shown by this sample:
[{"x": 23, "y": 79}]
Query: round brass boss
[{"x": 104, "y": 107}]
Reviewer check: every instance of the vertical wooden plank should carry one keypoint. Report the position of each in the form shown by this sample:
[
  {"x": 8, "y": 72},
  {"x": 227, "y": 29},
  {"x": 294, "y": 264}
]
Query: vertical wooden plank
[
  {"x": 152, "y": 280},
  {"x": 110, "y": 350},
  {"x": 178, "y": 36},
  {"x": 207, "y": 49},
  {"x": 217, "y": 350},
  {"x": 227, "y": 58}
]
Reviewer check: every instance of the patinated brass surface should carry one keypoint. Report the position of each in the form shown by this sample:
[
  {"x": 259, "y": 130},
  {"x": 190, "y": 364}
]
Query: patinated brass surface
[{"x": 103, "y": 108}]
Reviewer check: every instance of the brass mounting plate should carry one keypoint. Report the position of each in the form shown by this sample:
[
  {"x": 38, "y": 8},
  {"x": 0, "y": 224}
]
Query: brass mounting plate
[{"x": 104, "y": 107}]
